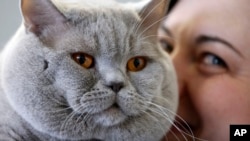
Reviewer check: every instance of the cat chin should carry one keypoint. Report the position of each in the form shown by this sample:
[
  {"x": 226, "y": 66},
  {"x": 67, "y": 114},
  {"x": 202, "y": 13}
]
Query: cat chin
[{"x": 110, "y": 117}]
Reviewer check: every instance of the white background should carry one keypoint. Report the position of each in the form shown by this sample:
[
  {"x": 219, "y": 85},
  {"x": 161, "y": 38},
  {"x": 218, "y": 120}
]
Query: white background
[{"x": 10, "y": 19}]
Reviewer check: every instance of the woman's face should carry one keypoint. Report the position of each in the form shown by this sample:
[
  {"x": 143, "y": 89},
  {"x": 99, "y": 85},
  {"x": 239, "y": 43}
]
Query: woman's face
[{"x": 209, "y": 42}]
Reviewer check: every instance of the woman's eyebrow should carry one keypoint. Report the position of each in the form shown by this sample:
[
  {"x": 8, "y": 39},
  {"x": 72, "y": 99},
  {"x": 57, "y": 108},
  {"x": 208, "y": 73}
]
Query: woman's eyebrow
[{"x": 205, "y": 38}]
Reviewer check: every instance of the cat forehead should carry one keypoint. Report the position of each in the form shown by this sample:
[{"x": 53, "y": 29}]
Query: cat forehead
[
  {"x": 102, "y": 14},
  {"x": 109, "y": 27},
  {"x": 110, "y": 16},
  {"x": 106, "y": 40},
  {"x": 105, "y": 26}
]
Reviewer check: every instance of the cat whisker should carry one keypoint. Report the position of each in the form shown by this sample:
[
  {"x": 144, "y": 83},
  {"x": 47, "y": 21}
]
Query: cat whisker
[
  {"x": 170, "y": 112},
  {"x": 188, "y": 132},
  {"x": 173, "y": 134},
  {"x": 145, "y": 37},
  {"x": 157, "y": 121},
  {"x": 64, "y": 123},
  {"x": 163, "y": 110},
  {"x": 57, "y": 101},
  {"x": 162, "y": 115},
  {"x": 137, "y": 25},
  {"x": 148, "y": 14},
  {"x": 69, "y": 119},
  {"x": 166, "y": 116},
  {"x": 156, "y": 22},
  {"x": 154, "y": 118},
  {"x": 60, "y": 110},
  {"x": 160, "y": 112},
  {"x": 80, "y": 117},
  {"x": 84, "y": 117},
  {"x": 183, "y": 133}
]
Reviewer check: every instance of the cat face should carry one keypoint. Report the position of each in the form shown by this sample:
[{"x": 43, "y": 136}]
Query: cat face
[{"x": 90, "y": 74}]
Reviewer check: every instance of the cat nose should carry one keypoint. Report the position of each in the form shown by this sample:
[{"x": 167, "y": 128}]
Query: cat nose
[{"x": 116, "y": 86}]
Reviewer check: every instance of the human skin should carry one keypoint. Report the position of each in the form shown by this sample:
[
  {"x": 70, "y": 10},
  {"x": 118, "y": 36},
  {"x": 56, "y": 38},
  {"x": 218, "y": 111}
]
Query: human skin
[{"x": 209, "y": 42}]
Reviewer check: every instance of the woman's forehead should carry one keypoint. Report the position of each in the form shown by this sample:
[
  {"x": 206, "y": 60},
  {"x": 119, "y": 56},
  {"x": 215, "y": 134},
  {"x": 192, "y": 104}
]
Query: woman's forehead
[
  {"x": 213, "y": 6},
  {"x": 222, "y": 14},
  {"x": 228, "y": 19}
]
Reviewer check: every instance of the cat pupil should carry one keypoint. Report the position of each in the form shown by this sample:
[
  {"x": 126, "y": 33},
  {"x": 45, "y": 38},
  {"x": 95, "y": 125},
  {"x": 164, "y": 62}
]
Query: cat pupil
[
  {"x": 136, "y": 63},
  {"x": 81, "y": 59}
]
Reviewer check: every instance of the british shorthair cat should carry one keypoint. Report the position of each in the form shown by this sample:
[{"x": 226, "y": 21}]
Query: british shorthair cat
[{"x": 87, "y": 70}]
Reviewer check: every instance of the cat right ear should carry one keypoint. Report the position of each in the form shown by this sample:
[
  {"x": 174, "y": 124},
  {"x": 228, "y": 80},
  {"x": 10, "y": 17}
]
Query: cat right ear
[
  {"x": 38, "y": 14},
  {"x": 152, "y": 14}
]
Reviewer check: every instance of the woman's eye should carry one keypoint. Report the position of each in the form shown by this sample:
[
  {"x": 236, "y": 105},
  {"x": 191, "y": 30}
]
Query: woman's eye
[
  {"x": 136, "y": 64},
  {"x": 210, "y": 59},
  {"x": 83, "y": 60},
  {"x": 212, "y": 64},
  {"x": 166, "y": 46}
]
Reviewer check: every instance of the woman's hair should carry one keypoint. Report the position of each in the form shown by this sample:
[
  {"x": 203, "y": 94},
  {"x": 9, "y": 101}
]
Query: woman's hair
[{"x": 172, "y": 4}]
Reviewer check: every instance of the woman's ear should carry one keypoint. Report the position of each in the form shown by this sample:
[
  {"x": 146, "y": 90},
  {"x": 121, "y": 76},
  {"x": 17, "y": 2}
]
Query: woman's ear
[{"x": 38, "y": 14}]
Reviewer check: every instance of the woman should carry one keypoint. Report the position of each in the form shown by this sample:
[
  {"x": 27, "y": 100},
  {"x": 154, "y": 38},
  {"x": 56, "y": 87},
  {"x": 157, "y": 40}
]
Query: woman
[{"x": 209, "y": 42}]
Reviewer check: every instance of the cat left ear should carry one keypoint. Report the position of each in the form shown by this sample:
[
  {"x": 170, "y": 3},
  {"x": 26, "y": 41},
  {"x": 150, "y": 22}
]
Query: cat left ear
[
  {"x": 38, "y": 14},
  {"x": 152, "y": 14}
]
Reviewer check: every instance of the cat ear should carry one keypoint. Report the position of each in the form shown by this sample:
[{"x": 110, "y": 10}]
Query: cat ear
[
  {"x": 38, "y": 14},
  {"x": 152, "y": 14}
]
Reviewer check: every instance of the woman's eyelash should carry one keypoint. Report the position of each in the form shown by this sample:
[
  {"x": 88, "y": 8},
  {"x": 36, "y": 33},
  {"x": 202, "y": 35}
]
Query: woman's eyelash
[{"x": 212, "y": 59}]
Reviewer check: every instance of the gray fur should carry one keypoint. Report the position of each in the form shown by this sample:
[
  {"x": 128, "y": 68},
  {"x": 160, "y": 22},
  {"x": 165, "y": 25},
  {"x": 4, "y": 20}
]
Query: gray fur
[{"x": 47, "y": 96}]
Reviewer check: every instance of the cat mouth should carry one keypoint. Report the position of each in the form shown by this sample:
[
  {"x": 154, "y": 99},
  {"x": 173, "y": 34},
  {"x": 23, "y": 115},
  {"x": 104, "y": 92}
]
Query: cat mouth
[
  {"x": 113, "y": 108},
  {"x": 111, "y": 116}
]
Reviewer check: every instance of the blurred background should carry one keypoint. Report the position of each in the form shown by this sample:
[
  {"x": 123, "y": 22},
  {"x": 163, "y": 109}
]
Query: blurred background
[{"x": 10, "y": 19}]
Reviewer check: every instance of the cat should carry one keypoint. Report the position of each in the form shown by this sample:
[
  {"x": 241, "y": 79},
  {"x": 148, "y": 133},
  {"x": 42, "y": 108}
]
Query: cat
[{"x": 87, "y": 70}]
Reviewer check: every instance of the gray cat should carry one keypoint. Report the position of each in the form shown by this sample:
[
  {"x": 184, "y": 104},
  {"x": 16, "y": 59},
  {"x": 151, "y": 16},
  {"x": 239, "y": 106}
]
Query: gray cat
[{"x": 87, "y": 70}]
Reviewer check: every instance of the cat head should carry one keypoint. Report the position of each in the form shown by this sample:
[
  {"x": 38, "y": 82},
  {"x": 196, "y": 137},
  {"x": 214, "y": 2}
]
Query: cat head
[{"x": 84, "y": 70}]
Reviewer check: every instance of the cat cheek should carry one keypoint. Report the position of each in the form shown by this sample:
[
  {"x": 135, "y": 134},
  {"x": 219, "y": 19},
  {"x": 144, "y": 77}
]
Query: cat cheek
[{"x": 81, "y": 79}]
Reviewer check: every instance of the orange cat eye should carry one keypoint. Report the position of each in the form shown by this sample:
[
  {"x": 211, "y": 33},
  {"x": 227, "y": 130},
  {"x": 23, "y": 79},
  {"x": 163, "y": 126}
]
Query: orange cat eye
[
  {"x": 136, "y": 64},
  {"x": 83, "y": 60}
]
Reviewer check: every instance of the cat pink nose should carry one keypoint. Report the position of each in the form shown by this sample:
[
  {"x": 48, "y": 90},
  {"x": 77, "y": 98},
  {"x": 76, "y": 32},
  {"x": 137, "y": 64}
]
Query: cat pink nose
[{"x": 116, "y": 86}]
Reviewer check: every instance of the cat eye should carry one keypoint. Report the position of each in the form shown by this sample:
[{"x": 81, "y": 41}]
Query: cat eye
[
  {"x": 83, "y": 59},
  {"x": 136, "y": 64}
]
